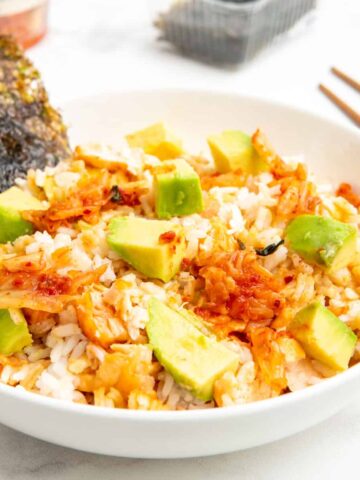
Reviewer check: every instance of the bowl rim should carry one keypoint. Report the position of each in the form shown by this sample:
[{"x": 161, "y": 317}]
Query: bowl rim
[
  {"x": 304, "y": 110},
  {"x": 215, "y": 414}
]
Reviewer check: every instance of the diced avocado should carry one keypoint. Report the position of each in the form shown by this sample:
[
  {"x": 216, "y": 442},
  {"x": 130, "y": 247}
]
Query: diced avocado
[
  {"x": 196, "y": 321},
  {"x": 14, "y": 332},
  {"x": 156, "y": 140},
  {"x": 324, "y": 241},
  {"x": 177, "y": 189},
  {"x": 233, "y": 150},
  {"x": 195, "y": 360},
  {"x": 12, "y": 202},
  {"x": 20, "y": 200},
  {"x": 12, "y": 225},
  {"x": 155, "y": 248},
  {"x": 323, "y": 336}
]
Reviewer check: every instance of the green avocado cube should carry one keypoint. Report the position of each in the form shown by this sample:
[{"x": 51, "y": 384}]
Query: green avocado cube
[
  {"x": 14, "y": 332},
  {"x": 194, "y": 360},
  {"x": 177, "y": 189},
  {"x": 324, "y": 336},
  {"x": 12, "y": 202},
  {"x": 323, "y": 241},
  {"x": 12, "y": 225},
  {"x": 155, "y": 248},
  {"x": 233, "y": 150}
]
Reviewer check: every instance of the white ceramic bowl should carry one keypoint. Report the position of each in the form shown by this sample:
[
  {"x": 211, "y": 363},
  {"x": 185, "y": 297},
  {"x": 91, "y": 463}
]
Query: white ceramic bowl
[{"x": 333, "y": 152}]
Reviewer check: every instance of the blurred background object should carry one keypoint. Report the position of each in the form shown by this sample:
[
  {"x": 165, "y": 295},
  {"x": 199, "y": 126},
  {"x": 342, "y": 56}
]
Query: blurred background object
[
  {"x": 352, "y": 114},
  {"x": 26, "y": 20},
  {"x": 226, "y": 31},
  {"x": 110, "y": 45}
]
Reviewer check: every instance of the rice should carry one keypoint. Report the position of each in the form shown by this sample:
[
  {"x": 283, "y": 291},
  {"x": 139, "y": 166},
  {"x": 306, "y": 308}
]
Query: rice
[
  {"x": 95, "y": 349},
  {"x": 66, "y": 180},
  {"x": 175, "y": 397},
  {"x": 43, "y": 242}
]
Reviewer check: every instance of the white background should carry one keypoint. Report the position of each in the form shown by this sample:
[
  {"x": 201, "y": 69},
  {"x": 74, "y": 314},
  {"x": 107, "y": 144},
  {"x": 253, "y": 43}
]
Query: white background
[{"x": 106, "y": 45}]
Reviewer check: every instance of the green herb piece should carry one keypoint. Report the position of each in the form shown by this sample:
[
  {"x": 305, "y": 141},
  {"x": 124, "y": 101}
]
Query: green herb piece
[
  {"x": 116, "y": 195},
  {"x": 264, "y": 252}
]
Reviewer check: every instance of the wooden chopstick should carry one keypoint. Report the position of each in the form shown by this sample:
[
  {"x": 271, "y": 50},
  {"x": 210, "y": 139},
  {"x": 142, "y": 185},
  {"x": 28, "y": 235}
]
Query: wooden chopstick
[
  {"x": 344, "y": 107},
  {"x": 346, "y": 78}
]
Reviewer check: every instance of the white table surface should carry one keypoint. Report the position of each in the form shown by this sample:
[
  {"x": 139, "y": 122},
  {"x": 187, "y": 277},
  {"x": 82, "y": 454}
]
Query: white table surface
[{"x": 106, "y": 45}]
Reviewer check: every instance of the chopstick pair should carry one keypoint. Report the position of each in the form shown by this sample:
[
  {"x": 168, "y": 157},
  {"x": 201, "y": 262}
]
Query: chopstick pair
[{"x": 343, "y": 106}]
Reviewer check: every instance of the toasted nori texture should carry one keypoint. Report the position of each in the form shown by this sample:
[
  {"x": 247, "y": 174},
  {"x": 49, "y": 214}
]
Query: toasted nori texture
[{"x": 32, "y": 134}]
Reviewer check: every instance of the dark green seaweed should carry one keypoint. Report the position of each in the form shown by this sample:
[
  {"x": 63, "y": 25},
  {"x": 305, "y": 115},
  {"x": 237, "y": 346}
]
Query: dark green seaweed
[
  {"x": 32, "y": 134},
  {"x": 116, "y": 195},
  {"x": 269, "y": 249}
]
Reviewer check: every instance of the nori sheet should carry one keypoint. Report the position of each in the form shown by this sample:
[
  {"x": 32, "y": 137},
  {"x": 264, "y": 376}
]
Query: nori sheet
[{"x": 32, "y": 133}]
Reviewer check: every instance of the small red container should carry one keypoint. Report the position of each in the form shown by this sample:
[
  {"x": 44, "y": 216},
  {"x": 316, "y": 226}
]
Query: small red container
[{"x": 26, "y": 20}]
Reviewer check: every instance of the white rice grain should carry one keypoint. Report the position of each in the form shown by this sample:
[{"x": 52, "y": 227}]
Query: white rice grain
[{"x": 66, "y": 330}]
